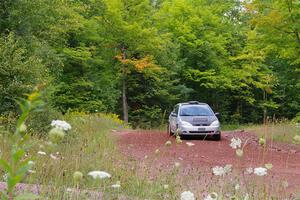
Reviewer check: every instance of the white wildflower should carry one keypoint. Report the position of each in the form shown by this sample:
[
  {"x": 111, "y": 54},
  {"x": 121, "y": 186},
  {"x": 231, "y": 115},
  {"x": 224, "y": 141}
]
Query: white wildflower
[
  {"x": 211, "y": 196},
  {"x": 166, "y": 186},
  {"x": 5, "y": 177},
  {"x": 236, "y": 143},
  {"x": 61, "y": 124},
  {"x": 117, "y": 185},
  {"x": 187, "y": 195},
  {"x": 260, "y": 171},
  {"x": 221, "y": 171},
  {"x": 246, "y": 197},
  {"x": 227, "y": 168},
  {"x": 32, "y": 171},
  {"x": 99, "y": 174},
  {"x": 42, "y": 153},
  {"x": 218, "y": 171},
  {"x": 249, "y": 170},
  {"x": 69, "y": 190},
  {"x": 190, "y": 144},
  {"x": 53, "y": 157},
  {"x": 237, "y": 187}
]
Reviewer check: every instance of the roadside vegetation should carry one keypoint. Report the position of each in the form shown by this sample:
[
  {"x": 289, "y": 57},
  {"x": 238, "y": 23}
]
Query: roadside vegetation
[
  {"x": 84, "y": 163},
  {"x": 280, "y": 131},
  {"x": 59, "y": 168}
]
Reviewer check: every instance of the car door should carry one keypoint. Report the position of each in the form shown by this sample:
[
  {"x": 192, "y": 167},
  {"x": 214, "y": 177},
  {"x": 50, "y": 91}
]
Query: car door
[{"x": 173, "y": 118}]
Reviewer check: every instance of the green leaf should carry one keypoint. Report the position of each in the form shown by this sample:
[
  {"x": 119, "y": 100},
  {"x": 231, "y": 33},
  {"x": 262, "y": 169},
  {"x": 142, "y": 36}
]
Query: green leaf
[
  {"x": 18, "y": 155},
  {"x": 3, "y": 196},
  {"x": 5, "y": 165}
]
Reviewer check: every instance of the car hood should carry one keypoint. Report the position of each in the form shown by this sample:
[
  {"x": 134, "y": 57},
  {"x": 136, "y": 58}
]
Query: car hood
[{"x": 199, "y": 120}]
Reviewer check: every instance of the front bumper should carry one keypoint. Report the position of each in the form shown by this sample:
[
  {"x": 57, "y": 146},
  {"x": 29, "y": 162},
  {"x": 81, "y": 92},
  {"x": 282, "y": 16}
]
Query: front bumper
[{"x": 199, "y": 130}]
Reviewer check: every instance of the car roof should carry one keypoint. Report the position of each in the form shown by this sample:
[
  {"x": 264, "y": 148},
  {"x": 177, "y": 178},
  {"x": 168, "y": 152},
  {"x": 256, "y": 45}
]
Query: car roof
[{"x": 192, "y": 103}]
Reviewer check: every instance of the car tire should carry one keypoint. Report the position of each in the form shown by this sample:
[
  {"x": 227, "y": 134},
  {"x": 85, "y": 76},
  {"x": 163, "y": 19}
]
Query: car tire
[
  {"x": 217, "y": 137},
  {"x": 169, "y": 131}
]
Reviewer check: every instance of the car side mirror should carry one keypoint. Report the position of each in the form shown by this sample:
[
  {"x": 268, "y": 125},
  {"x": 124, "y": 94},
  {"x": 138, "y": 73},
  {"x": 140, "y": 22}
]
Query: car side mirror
[
  {"x": 173, "y": 114},
  {"x": 217, "y": 114}
]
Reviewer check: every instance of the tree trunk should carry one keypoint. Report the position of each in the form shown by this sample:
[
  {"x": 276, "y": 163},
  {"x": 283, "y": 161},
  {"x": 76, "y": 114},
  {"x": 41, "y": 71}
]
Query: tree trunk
[{"x": 124, "y": 87}]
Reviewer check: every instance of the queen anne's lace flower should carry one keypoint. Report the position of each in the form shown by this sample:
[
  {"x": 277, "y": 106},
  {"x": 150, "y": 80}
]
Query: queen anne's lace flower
[
  {"x": 99, "y": 174},
  {"x": 260, "y": 171},
  {"x": 249, "y": 170},
  {"x": 227, "y": 168},
  {"x": 42, "y": 153},
  {"x": 218, "y": 171},
  {"x": 61, "y": 124},
  {"x": 117, "y": 185},
  {"x": 53, "y": 157},
  {"x": 187, "y": 195},
  {"x": 236, "y": 143},
  {"x": 221, "y": 171}
]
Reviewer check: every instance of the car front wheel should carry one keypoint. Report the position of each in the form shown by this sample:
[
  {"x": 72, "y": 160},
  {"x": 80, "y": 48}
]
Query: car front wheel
[{"x": 217, "y": 136}]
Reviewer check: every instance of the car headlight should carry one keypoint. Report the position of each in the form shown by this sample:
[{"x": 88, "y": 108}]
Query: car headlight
[
  {"x": 184, "y": 123},
  {"x": 215, "y": 123}
]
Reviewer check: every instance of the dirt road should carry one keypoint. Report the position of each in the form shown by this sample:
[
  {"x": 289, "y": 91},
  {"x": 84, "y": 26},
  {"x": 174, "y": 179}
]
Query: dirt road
[{"x": 205, "y": 154}]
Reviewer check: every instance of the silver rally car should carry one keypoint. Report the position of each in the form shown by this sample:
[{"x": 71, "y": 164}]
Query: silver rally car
[{"x": 194, "y": 118}]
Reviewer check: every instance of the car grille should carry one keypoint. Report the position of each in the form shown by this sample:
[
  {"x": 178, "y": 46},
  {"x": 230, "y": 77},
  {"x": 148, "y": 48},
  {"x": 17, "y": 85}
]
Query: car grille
[
  {"x": 201, "y": 131},
  {"x": 200, "y": 124}
]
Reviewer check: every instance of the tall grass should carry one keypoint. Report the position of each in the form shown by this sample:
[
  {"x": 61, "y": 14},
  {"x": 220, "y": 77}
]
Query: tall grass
[
  {"x": 91, "y": 145},
  {"x": 282, "y": 131},
  {"x": 87, "y": 147}
]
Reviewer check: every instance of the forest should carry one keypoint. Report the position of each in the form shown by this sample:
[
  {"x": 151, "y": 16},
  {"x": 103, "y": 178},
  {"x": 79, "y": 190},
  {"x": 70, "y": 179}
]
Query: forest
[{"x": 138, "y": 58}]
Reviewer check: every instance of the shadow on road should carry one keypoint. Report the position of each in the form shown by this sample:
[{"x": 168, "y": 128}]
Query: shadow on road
[{"x": 198, "y": 137}]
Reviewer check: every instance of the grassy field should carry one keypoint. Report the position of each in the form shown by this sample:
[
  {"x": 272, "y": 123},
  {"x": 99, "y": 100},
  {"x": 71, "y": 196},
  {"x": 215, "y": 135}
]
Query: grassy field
[{"x": 89, "y": 146}]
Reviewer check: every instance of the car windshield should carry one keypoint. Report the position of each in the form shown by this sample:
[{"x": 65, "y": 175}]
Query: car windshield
[{"x": 196, "y": 110}]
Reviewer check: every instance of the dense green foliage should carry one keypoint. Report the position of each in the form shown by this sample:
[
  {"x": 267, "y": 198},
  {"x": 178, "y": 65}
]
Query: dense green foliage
[{"x": 242, "y": 58}]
